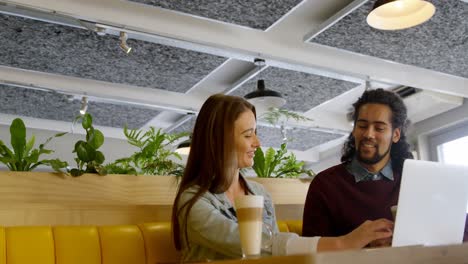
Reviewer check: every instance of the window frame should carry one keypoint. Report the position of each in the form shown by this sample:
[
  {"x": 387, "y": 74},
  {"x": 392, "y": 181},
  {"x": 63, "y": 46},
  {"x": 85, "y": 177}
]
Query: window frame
[{"x": 446, "y": 135}]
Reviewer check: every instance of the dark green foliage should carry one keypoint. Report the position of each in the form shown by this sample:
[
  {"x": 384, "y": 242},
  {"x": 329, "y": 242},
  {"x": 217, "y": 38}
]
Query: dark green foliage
[
  {"x": 23, "y": 157},
  {"x": 89, "y": 159}
]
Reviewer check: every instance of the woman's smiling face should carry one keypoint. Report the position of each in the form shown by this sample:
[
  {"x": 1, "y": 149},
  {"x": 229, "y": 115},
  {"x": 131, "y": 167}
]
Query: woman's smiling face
[{"x": 246, "y": 140}]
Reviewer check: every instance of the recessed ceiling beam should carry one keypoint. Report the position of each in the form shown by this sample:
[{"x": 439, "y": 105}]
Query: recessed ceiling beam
[{"x": 102, "y": 91}]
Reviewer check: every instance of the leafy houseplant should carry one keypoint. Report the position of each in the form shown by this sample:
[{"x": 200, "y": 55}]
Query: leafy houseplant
[
  {"x": 23, "y": 157},
  {"x": 276, "y": 164},
  {"x": 89, "y": 159},
  {"x": 153, "y": 157}
]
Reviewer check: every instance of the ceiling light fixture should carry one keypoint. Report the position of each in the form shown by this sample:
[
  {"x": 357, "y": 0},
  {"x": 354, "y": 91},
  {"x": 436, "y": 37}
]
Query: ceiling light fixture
[
  {"x": 262, "y": 98},
  {"x": 123, "y": 42},
  {"x": 367, "y": 84},
  {"x": 84, "y": 105},
  {"x": 265, "y": 98},
  {"x": 399, "y": 14},
  {"x": 100, "y": 31}
]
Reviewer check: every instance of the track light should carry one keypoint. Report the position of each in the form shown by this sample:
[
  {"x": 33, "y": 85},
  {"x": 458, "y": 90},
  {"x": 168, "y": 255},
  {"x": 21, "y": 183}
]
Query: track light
[
  {"x": 123, "y": 42},
  {"x": 399, "y": 14},
  {"x": 84, "y": 105},
  {"x": 100, "y": 31},
  {"x": 367, "y": 84}
]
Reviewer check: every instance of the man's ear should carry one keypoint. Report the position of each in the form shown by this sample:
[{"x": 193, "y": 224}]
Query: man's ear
[{"x": 396, "y": 135}]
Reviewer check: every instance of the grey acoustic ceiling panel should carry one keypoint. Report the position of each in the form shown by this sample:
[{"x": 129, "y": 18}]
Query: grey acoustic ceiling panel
[
  {"x": 49, "y": 105},
  {"x": 298, "y": 139},
  {"x": 440, "y": 44},
  {"x": 52, "y": 48},
  {"x": 302, "y": 91},
  {"x": 254, "y": 14}
]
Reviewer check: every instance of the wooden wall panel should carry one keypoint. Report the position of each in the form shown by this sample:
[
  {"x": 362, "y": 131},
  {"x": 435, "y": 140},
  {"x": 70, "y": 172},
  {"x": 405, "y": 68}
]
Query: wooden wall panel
[{"x": 39, "y": 198}]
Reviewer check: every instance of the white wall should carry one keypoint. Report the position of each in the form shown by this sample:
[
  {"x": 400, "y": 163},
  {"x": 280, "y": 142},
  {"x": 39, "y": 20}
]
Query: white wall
[
  {"x": 327, "y": 159},
  {"x": 324, "y": 164}
]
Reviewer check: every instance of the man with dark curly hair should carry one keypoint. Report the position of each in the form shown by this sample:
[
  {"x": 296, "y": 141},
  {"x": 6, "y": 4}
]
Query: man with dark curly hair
[{"x": 367, "y": 182}]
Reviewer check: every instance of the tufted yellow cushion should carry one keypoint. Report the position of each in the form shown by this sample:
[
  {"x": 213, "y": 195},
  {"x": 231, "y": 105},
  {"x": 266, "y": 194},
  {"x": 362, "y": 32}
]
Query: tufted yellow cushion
[
  {"x": 282, "y": 226},
  {"x": 77, "y": 245},
  {"x": 146, "y": 243},
  {"x": 295, "y": 226},
  {"x": 2, "y": 246},
  {"x": 122, "y": 245},
  {"x": 29, "y": 245},
  {"x": 159, "y": 243}
]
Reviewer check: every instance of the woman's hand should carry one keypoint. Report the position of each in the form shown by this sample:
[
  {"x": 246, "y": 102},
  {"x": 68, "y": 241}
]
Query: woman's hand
[{"x": 377, "y": 232}]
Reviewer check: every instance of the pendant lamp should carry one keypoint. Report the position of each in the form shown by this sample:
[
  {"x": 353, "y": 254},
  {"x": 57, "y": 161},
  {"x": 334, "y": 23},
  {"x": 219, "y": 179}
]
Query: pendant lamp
[
  {"x": 265, "y": 98},
  {"x": 399, "y": 14}
]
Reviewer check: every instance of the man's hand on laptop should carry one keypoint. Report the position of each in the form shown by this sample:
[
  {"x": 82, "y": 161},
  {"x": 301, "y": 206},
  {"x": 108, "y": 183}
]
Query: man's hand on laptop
[
  {"x": 368, "y": 232},
  {"x": 384, "y": 242}
]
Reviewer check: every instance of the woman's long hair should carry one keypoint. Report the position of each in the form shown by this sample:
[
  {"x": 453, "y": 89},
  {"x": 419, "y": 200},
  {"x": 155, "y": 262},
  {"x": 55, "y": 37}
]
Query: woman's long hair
[
  {"x": 212, "y": 160},
  {"x": 400, "y": 150}
]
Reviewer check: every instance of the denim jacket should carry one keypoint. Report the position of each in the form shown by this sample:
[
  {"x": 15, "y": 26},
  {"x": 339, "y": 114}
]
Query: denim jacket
[{"x": 212, "y": 228}]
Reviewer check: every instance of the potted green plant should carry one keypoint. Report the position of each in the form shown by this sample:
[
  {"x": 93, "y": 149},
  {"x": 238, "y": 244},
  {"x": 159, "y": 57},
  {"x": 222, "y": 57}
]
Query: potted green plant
[
  {"x": 88, "y": 158},
  {"x": 23, "y": 156},
  {"x": 278, "y": 164},
  {"x": 153, "y": 156}
]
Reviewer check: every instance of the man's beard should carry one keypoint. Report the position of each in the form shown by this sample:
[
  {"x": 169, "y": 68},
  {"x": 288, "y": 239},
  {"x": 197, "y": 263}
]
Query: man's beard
[{"x": 375, "y": 159}]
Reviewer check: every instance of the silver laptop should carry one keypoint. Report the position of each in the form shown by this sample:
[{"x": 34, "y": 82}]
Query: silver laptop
[{"x": 432, "y": 205}]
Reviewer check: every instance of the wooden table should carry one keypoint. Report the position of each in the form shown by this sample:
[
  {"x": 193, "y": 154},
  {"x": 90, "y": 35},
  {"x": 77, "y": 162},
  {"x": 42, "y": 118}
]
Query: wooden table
[{"x": 456, "y": 254}]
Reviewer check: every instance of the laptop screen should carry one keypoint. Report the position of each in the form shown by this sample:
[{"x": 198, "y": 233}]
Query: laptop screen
[{"x": 432, "y": 204}]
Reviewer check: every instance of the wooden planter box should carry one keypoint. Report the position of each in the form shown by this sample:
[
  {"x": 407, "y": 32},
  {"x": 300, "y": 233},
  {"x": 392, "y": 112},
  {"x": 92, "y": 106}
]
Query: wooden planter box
[{"x": 41, "y": 198}]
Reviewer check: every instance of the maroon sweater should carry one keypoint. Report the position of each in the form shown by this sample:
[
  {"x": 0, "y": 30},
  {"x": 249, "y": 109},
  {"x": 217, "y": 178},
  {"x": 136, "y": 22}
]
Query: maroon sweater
[{"x": 336, "y": 204}]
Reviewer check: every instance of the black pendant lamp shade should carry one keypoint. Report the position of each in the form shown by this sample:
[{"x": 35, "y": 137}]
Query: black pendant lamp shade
[
  {"x": 399, "y": 14},
  {"x": 267, "y": 98}
]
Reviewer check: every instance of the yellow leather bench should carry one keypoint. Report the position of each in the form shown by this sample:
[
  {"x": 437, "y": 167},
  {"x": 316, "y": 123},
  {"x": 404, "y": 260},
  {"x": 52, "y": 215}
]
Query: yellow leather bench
[
  {"x": 293, "y": 226},
  {"x": 145, "y": 243}
]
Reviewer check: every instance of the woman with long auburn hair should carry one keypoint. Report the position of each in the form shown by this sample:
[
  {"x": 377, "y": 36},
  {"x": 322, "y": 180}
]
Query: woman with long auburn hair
[{"x": 204, "y": 220}]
